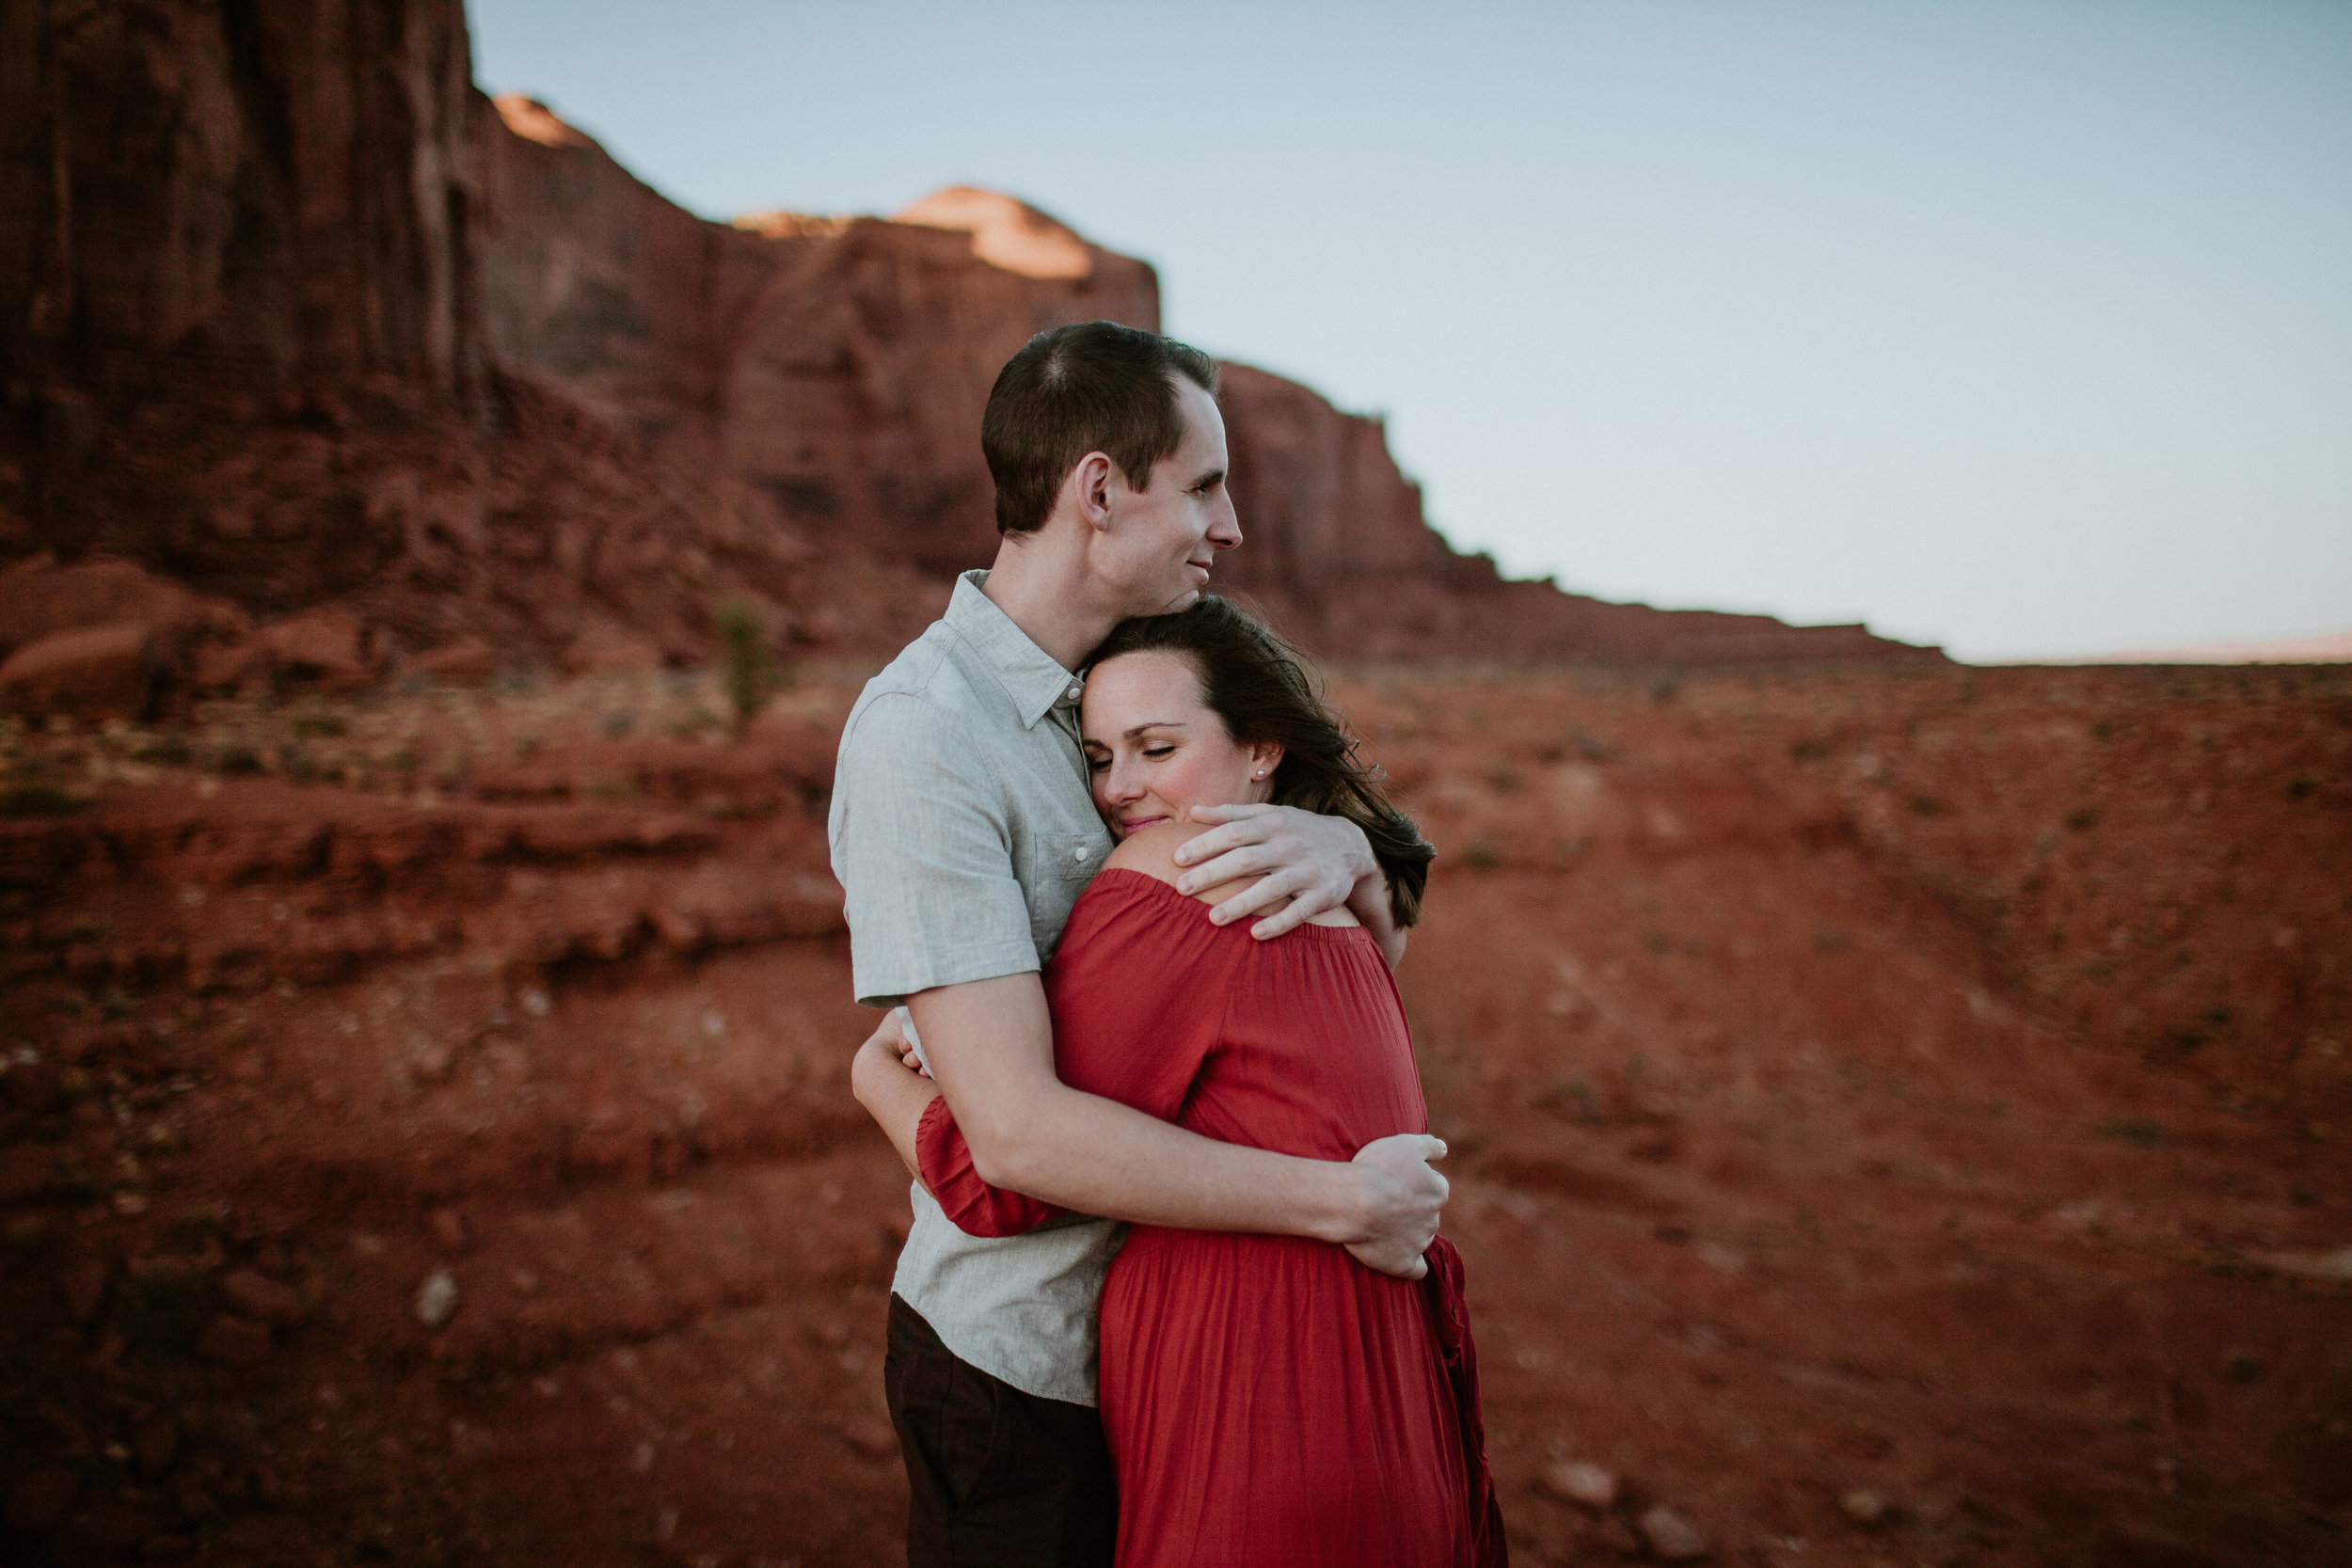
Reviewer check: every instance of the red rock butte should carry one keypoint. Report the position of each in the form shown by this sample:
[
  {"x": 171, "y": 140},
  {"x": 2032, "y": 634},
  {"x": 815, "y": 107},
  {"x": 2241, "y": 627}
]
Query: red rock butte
[{"x": 442, "y": 363}]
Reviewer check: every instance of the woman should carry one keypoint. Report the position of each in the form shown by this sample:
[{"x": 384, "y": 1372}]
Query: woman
[{"x": 1267, "y": 1398}]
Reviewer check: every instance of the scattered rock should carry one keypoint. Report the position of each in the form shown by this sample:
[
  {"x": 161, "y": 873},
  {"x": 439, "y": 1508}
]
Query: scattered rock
[
  {"x": 236, "y": 1341},
  {"x": 1864, "y": 1507},
  {"x": 328, "y": 645},
  {"x": 96, "y": 673},
  {"x": 2325, "y": 1266},
  {"x": 219, "y": 666},
  {"x": 44, "y": 598},
  {"x": 257, "y": 1295},
  {"x": 468, "y": 661},
  {"x": 1670, "y": 1537},
  {"x": 1587, "y": 1485},
  {"x": 84, "y": 1287},
  {"x": 874, "y": 1439},
  {"x": 437, "y": 1298}
]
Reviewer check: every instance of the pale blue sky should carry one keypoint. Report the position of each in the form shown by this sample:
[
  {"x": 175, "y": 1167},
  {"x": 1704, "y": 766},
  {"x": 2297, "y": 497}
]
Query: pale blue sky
[{"x": 2023, "y": 327}]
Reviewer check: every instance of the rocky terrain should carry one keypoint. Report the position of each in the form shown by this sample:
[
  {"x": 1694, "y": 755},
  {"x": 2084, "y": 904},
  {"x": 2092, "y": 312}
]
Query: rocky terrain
[
  {"x": 1901, "y": 1112},
  {"x": 1897, "y": 1117}
]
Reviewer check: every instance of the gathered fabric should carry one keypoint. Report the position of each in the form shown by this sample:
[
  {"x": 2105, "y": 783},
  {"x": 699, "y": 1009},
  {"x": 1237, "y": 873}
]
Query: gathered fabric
[{"x": 1268, "y": 1400}]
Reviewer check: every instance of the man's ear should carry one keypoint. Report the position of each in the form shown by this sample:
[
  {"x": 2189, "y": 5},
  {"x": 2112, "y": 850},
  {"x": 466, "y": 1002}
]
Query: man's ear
[{"x": 1090, "y": 484}]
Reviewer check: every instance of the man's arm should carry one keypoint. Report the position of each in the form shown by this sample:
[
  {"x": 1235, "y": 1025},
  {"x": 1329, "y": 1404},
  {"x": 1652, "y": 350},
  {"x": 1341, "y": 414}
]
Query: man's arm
[
  {"x": 1315, "y": 862},
  {"x": 991, "y": 1046}
]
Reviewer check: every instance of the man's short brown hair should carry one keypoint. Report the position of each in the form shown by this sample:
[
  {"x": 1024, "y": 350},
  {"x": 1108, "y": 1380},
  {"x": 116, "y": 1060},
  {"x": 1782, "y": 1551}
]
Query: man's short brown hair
[{"x": 1094, "y": 386}]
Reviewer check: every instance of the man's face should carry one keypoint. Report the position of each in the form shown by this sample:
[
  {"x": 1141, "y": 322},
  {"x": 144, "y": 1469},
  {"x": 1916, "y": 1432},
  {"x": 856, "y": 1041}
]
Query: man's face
[{"x": 1163, "y": 540}]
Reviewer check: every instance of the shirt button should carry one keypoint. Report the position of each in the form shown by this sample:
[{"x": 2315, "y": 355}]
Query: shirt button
[{"x": 1077, "y": 854}]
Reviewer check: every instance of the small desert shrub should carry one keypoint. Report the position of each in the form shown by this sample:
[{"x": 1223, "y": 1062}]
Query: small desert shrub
[{"x": 753, "y": 671}]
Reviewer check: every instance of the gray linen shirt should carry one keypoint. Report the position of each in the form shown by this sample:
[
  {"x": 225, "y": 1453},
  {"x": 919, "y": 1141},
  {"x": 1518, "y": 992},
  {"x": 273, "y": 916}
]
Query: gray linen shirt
[{"x": 963, "y": 831}]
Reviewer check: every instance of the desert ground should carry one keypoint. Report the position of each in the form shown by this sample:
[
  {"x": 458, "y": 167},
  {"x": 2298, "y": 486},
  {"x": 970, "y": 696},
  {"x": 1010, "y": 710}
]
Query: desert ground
[{"x": 1899, "y": 1117}]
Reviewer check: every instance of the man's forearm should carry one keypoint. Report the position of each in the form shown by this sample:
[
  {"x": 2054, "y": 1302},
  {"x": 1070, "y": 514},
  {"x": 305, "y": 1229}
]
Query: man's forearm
[{"x": 1081, "y": 1151}]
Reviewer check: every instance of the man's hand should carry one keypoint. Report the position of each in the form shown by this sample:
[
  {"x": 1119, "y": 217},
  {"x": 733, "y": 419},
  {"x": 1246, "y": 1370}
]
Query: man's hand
[
  {"x": 1304, "y": 863},
  {"x": 1403, "y": 1199}
]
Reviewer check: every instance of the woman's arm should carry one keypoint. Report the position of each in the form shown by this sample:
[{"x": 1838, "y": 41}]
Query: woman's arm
[
  {"x": 1369, "y": 903},
  {"x": 895, "y": 1095}
]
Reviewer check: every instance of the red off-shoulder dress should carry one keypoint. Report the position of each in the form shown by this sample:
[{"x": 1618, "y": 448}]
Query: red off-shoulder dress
[{"x": 1268, "y": 1400}]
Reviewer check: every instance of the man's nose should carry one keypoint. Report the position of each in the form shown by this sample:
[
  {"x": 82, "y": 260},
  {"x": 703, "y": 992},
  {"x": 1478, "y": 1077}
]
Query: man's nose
[{"x": 1226, "y": 532}]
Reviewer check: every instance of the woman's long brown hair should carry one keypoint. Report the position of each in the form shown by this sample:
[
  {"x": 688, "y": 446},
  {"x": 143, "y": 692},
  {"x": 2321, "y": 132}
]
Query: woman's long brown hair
[{"x": 1259, "y": 688}]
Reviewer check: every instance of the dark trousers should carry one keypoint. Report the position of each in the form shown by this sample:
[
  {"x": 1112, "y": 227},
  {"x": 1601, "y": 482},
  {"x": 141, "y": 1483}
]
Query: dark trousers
[{"x": 994, "y": 1475}]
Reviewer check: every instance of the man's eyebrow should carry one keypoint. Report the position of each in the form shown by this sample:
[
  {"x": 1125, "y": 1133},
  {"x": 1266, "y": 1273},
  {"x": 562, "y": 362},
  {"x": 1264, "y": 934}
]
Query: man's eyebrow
[{"x": 1212, "y": 476}]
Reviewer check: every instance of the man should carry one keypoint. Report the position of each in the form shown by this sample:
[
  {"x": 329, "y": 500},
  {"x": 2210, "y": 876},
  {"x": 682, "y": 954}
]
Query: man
[{"x": 964, "y": 830}]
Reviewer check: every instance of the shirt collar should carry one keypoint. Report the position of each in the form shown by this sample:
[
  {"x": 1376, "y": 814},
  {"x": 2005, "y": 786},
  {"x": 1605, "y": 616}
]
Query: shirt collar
[{"x": 1026, "y": 671}]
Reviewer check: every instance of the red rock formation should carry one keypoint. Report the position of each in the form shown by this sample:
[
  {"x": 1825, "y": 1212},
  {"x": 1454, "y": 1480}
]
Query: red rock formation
[
  {"x": 838, "y": 367},
  {"x": 262, "y": 196},
  {"x": 1337, "y": 551},
  {"x": 295, "y": 317}
]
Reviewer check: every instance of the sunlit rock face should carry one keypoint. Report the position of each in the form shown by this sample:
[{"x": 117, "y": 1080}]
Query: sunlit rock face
[{"x": 838, "y": 366}]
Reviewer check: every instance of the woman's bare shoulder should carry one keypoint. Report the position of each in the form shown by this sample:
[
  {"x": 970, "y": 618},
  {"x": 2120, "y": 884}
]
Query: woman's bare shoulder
[{"x": 1153, "y": 851}]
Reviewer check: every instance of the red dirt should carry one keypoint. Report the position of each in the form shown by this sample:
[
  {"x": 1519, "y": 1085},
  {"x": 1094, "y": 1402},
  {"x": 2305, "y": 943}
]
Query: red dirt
[{"x": 1926, "y": 1084}]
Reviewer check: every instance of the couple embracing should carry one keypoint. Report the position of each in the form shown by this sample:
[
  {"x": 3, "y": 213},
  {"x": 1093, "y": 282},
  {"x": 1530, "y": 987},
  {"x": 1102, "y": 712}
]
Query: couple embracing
[{"x": 1135, "y": 904}]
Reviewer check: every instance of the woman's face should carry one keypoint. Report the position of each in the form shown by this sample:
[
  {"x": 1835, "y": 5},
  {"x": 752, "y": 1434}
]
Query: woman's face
[{"x": 1155, "y": 748}]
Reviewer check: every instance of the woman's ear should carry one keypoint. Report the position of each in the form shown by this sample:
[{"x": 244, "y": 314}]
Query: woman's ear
[{"x": 1264, "y": 757}]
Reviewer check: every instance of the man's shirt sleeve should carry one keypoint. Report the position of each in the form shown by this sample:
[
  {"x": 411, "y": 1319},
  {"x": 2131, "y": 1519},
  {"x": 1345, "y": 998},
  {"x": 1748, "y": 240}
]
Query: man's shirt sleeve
[{"x": 923, "y": 849}]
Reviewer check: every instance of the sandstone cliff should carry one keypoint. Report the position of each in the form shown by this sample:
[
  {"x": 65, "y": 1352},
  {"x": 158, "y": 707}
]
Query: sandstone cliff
[
  {"x": 297, "y": 317},
  {"x": 252, "y": 196}
]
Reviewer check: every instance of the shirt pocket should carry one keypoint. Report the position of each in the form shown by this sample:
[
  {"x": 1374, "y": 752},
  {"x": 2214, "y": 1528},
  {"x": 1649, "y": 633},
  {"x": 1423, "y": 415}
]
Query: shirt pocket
[{"x": 1068, "y": 857}]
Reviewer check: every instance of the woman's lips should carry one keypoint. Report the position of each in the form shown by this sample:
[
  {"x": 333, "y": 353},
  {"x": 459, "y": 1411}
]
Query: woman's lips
[{"x": 1136, "y": 824}]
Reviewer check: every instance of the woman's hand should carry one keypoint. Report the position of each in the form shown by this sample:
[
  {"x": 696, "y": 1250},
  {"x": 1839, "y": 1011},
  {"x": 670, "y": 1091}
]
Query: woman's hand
[
  {"x": 909, "y": 1053},
  {"x": 893, "y": 1093},
  {"x": 1304, "y": 863}
]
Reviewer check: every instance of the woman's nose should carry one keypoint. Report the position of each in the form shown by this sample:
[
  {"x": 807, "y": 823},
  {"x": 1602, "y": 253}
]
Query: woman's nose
[{"x": 1119, "y": 781}]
